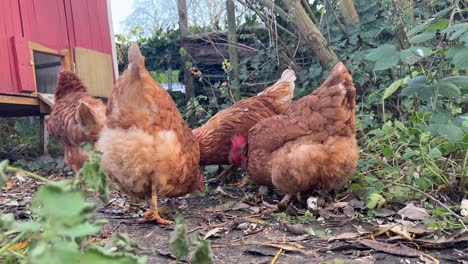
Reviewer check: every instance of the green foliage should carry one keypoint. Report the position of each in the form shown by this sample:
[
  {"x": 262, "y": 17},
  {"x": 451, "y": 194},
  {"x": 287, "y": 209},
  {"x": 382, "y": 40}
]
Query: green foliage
[
  {"x": 180, "y": 242},
  {"x": 61, "y": 223}
]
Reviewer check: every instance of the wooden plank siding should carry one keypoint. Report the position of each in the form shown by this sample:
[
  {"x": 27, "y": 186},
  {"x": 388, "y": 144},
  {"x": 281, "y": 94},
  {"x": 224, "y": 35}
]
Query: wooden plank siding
[{"x": 53, "y": 26}]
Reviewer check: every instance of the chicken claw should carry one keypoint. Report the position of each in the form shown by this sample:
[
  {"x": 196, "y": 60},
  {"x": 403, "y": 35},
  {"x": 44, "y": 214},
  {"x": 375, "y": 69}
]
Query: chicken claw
[
  {"x": 242, "y": 183},
  {"x": 153, "y": 213}
]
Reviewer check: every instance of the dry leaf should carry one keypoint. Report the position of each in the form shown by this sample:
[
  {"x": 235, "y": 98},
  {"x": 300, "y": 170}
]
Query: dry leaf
[
  {"x": 231, "y": 205},
  {"x": 212, "y": 232},
  {"x": 394, "y": 249},
  {"x": 401, "y": 231},
  {"x": 414, "y": 213},
  {"x": 344, "y": 236}
]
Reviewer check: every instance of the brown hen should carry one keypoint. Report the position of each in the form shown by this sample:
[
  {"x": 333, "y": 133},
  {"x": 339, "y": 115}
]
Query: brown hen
[
  {"x": 148, "y": 149},
  {"x": 310, "y": 146},
  {"x": 76, "y": 117},
  {"x": 215, "y": 136}
]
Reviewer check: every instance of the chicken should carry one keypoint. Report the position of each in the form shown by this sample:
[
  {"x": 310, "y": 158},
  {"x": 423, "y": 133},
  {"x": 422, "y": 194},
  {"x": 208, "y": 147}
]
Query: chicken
[
  {"x": 148, "y": 149},
  {"x": 215, "y": 136},
  {"x": 311, "y": 146},
  {"x": 76, "y": 117}
]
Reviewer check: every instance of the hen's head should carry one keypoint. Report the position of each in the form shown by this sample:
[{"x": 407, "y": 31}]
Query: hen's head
[
  {"x": 237, "y": 152},
  {"x": 91, "y": 117}
]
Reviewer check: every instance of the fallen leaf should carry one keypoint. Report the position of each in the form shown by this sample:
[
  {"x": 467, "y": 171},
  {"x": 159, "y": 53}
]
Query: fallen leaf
[
  {"x": 20, "y": 245},
  {"x": 394, "y": 249},
  {"x": 288, "y": 246},
  {"x": 384, "y": 212},
  {"x": 344, "y": 236},
  {"x": 401, "y": 231},
  {"x": 298, "y": 229},
  {"x": 212, "y": 232},
  {"x": 229, "y": 206},
  {"x": 260, "y": 250},
  {"x": 414, "y": 213}
]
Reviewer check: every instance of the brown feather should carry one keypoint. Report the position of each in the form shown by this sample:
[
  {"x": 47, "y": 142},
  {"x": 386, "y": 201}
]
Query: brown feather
[
  {"x": 67, "y": 124},
  {"x": 312, "y": 145},
  {"x": 215, "y": 136}
]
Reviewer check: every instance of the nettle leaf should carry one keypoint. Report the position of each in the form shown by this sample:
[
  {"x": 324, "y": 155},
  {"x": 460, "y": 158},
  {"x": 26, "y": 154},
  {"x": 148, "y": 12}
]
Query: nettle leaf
[
  {"x": 460, "y": 81},
  {"x": 98, "y": 255},
  {"x": 418, "y": 86},
  {"x": 457, "y": 30},
  {"x": 443, "y": 12},
  {"x": 459, "y": 56},
  {"x": 179, "y": 238},
  {"x": 425, "y": 36},
  {"x": 448, "y": 89},
  {"x": 385, "y": 57},
  {"x": 414, "y": 54},
  {"x": 434, "y": 153},
  {"x": 202, "y": 254},
  {"x": 452, "y": 132}
]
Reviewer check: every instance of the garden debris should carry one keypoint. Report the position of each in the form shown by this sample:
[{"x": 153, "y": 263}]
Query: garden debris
[
  {"x": 464, "y": 207},
  {"x": 414, "y": 213},
  {"x": 213, "y": 232},
  {"x": 394, "y": 249},
  {"x": 229, "y": 206},
  {"x": 261, "y": 250}
]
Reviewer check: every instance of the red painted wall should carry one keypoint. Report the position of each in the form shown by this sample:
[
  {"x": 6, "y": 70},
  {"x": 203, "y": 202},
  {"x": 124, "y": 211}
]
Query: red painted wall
[{"x": 56, "y": 24}]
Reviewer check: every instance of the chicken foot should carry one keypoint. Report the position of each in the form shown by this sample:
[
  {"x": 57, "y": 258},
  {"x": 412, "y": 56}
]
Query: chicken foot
[{"x": 153, "y": 213}]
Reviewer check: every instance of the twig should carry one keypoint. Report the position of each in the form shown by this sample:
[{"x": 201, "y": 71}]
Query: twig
[
  {"x": 275, "y": 259},
  {"x": 428, "y": 196},
  {"x": 29, "y": 174},
  {"x": 338, "y": 20},
  {"x": 307, "y": 7}
]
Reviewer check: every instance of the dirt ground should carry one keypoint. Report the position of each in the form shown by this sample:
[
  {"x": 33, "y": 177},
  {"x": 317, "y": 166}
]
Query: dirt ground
[{"x": 242, "y": 230}]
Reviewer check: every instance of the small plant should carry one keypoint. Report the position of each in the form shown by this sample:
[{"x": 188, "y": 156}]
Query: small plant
[
  {"x": 62, "y": 220},
  {"x": 180, "y": 242}
]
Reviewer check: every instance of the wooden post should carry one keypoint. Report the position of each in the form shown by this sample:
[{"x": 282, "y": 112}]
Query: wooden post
[
  {"x": 233, "y": 55},
  {"x": 44, "y": 140},
  {"x": 186, "y": 59},
  {"x": 169, "y": 72}
]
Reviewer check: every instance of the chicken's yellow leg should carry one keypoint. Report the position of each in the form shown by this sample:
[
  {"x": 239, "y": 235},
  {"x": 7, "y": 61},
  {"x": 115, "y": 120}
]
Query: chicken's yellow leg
[{"x": 152, "y": 214}]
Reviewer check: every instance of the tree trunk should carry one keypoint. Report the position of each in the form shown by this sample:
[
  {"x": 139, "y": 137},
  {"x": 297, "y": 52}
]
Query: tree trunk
[
  {"x": 233, "y": 56},
  {"x": 349, "y": 12},
  {"x": 188, "y": 77},
  {"x": 311, "y": 33}
]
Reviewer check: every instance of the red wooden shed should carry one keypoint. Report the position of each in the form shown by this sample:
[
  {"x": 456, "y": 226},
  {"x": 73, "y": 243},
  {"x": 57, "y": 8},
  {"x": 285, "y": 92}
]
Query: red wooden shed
[{"x": 37, "y": 36}]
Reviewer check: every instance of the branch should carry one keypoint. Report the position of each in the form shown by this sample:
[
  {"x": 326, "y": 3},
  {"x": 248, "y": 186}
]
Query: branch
[
  {"x": 306, "y": 4},
  {"x": 272, "y": 6}
]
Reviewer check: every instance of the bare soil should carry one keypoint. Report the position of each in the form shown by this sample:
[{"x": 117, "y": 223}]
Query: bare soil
[{"x": 242, "y": 230}]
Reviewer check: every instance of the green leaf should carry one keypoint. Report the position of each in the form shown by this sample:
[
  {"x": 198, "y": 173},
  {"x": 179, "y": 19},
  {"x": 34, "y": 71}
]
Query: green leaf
[
  {"x": 425, "y": 36},
  {"x": 439, "y": 25},
  {"x": 393, "y": 87},
  {"x": 414, "y": 54},
  {"x": 179, "y": 239},
  {"x": 420, "y": 27},
  {"x": 202, "y": 254},
  {"x": 434, "y": 153},
  {"x": 459, "y": 56},
  {"x": 387, "y": 151},
  {"x": 384, "y": 57},
  {"x": 457, "y": 30},
  {"x": 460, "y": 81},
  {"x": 3, "y": 177},
  {"x": 375, "y": 201},
  {"x": 452, "y": 132},
  {"x": 443, "y": 12},
  {"x": 464, "y": 38},
  {"x": 99, "y": 256},
  {"x": 448, "y": 89}
]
